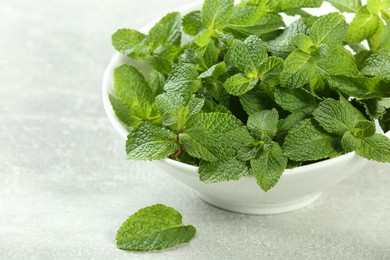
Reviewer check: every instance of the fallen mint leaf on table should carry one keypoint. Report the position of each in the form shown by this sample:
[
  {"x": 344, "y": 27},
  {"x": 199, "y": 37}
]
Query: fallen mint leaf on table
[{"x": 154, "y": 228}]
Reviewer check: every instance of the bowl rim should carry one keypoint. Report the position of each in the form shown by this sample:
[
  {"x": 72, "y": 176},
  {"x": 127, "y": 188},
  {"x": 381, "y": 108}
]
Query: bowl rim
[{"x": 123, "y": 131}]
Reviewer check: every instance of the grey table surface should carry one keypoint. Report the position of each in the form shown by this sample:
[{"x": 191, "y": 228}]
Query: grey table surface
[{"x": 65, "y": 186}]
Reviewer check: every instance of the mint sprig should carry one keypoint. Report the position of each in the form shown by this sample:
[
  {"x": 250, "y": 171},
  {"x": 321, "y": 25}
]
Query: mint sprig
[{"x": 251, "y": 96}]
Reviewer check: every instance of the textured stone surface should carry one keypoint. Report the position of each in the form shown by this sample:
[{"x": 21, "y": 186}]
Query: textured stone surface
[{"x": 65, "y": 186}]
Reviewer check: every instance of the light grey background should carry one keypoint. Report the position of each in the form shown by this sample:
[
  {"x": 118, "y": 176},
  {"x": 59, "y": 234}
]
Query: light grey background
[{"x": 65, "y": 186}]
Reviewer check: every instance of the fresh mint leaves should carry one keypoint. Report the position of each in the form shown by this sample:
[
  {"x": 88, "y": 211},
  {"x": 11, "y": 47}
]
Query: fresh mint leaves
[
  {"x": 154, "y": 228},
  {"x": 251, "y": 96}
]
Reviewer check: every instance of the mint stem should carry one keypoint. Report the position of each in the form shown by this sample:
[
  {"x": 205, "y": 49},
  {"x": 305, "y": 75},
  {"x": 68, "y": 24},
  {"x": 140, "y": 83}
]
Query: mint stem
[{"x": 181, "y": 150}]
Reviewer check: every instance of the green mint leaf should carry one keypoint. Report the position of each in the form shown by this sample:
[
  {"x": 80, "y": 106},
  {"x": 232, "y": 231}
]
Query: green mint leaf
[
  {"x": 269, "y": 166},
  {"x": 256, "y": 49},
  {"x": 284, "y": 5},
  {"x": 282, "y": 45},
  {"x": 376, "y": 39},
  {"x": 309, "y": 142},
  {"x": 162, "y": 58},
  {"x": 378, "y": 65},
  {"x": 126, "y": 40},
  {"x": 300, "y": 67},
  {"x": 166, "y": 31},
  {"x": 363, "y": 26},
  {"x": 175, "y": 111},
  {"x": 122, "y": 110},
  {"x": 240, "y": 56},
  {"x": 349, "y": 6},
  {"x": 360, "y": 87},
  {"x": 239, "y": 84},
  {"x": 204, "y": 37},
  {"x": 350, "y": 143},
  {"x": 256, "y": 101},
  {"x": 129, "y": 84},
  {"x": 298, "y": 70},
  {"x": 156, "y": 83},
  {"x": 224, "y": 170},
  {"x": 150, "y": 142},
  {"x": 376, "y": 147},
  {"x": 168, "y": 105},
  {"x": 374, "y": 107},
  {"x": 183, "y": 80},
  {"x": 270, "y": 22},
  {"x": 216, "y": 13},
  {"x": 337, "y": 117},
  {"x": 303, "y": 42},
  {"x": 269, "y": 71},
  {"x": 214, "y": 71},
  {"x": 153, "y": 228},
  {"x": 214, "y": 136},
  {"x": 263, "y": 124},
  {"x": 364, "y": 128},
  {"x": 329, "y": 29},
  {"x": 192, "y": 23},
  {"x": 288, "y": 123},
  {"x": 141, "y": 110},
  {"x": 247, "y": 13},
  {"x": 385, "y": 42},
  {"x": 296, "y": 100},
  {"x": 376, "y": 6},
  {"x": 335, "y": 60},
  {"x": 384, "y": 121}
]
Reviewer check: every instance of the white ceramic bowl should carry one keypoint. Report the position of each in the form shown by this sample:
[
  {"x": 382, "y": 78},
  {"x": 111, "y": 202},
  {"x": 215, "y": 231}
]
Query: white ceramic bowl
[{"x": 296, "y": 189}]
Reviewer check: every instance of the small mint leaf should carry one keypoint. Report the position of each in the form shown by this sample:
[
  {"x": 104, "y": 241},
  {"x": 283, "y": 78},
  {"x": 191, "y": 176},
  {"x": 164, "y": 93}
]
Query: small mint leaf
[
  {"x": 360, "y": 87},
  {"x": 270, "y": 22},
  {"x": 269, "y": 166},
  {"x": 129, "y": 84},
  {"x": 298, "y": 70},
  {"x": 156, "y": 83},
  {"x": 335, "y": 60},
  {"x": 263, "y": 124},
  {"x": 183, "y": 80},
  {"x": 192, "y": 23},
  {"x": 303, "y": 42},
  {"x": 284, "y": 5},
  {"x": 223, "y": 170},
  {"x": 239, "y": 84},
  {"x": 256, "y": 101},
  {"x": 153, "y": 228},
  {"x": 126, "y": 40},
  {"x": 349, "y": 6},
  {"x": 216, "y": 13},
  {"x": 309, "y": 142},
  {"x": 150, "y": 142},
  {"x": 363, "y": 26},
  {"x": 364, "y": 128},
  {"x": 168, "y": 105},
  {"x": 240, "y": 56},
  {"x": 282, "y": 45},
  {"x": 214, "y": 71},
  {"x": 166, "y": 31},
  {"x": 248, "y": 13},
  {"x": 122, "y": 110},
  {"x": 214, "y": 136},
  {"x": 296, "y": 100},
  {"x": 329, "y": 29},
  {"x": 349, "y": 142},
  {"x": 337, "y": 117},
  {"x": 378, "y": 65},
  {"x": 376, "y": 147}
]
